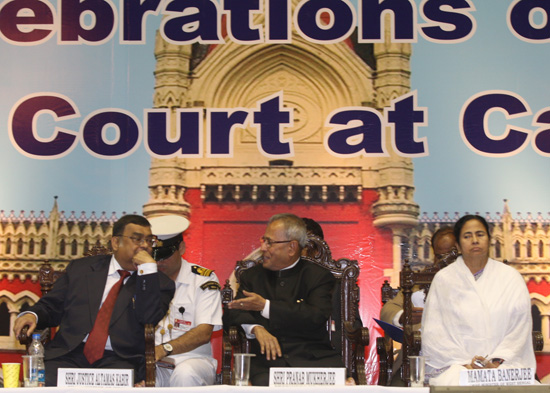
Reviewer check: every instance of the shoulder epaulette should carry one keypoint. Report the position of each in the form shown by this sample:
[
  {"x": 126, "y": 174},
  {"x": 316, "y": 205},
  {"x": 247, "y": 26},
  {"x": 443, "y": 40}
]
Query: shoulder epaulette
[
  {"x": 201, "y": 271},
  {"x": 211, "y": 285}
]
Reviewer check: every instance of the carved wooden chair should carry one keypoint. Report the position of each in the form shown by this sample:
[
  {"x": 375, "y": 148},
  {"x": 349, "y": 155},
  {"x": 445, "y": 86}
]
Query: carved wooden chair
[
  {"x": 412, "y": 341},
  {"x": 349, "y": 334},
  {"x": 47, "y": 277}
]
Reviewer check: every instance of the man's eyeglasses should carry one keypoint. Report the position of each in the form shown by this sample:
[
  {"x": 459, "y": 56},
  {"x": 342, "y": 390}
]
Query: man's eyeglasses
[
  {"x": 139, "y": 240},
  {"x": 268, "y": 242}
]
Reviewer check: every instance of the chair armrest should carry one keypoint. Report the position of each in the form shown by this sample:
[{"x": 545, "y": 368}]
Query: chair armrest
[
  {"x": 234, "y": 336},
  {"x": 227, "y": 354},
  {"x": 359, "y": 338},
  {"x": 384, "y": 349},
  {"x": 26, "y": 340},
  {"x": 357, "y": 335},
  {"x": 149, "y": 355},
  {"x": 234, "y": 341}
]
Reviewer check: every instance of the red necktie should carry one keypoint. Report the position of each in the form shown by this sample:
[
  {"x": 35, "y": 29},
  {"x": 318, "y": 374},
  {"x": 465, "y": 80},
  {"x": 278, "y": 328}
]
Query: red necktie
[{"x": 95, "y": 345}]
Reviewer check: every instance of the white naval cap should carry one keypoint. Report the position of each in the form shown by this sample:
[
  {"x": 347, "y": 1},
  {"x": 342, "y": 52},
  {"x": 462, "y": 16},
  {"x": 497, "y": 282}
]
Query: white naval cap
[{"x": 167, "y": 227}]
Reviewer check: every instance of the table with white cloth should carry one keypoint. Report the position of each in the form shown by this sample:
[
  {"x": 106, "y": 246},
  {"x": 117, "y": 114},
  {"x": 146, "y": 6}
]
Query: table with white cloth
[
  {"x": 299, "y": 389},
  {"x": 226, "y": 389}
]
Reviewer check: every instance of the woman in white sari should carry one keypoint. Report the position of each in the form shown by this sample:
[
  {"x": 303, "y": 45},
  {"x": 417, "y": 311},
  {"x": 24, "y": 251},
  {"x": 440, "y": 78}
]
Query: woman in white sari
[{"x": 478, "y": 311}]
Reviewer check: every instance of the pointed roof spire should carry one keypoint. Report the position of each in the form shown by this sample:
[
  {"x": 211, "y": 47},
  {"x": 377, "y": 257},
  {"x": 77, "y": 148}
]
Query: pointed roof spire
[
  {"x": 506, "y": 209},
  {"x": 54, "y": 213}
]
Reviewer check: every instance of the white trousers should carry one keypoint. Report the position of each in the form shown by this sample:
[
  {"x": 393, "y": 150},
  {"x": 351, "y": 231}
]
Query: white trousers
[{"x": 190, "y": 372}]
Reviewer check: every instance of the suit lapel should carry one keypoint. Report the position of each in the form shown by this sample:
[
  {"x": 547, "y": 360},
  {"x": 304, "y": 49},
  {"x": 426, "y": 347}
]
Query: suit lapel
[
  {"x": 124, "y": 297},
  {"x": 96, "y": 280}
]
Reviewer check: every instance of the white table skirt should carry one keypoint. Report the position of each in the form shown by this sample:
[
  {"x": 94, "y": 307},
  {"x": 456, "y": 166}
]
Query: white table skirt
[{"x": 227, "y": 389}]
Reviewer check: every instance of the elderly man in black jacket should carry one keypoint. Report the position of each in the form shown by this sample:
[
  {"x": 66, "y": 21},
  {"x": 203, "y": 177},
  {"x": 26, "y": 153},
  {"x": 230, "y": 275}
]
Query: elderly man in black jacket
[{"x": 284, "y": 303}]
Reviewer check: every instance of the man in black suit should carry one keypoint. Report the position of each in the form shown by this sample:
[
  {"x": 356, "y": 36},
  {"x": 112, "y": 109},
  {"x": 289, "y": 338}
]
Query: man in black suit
[
  {"x": 77, "y": 295},
  {"x": 284, "y": 303}
]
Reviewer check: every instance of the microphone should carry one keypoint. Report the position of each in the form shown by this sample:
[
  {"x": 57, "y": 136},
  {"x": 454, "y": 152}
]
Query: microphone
[{"x": 181, "y": 310}]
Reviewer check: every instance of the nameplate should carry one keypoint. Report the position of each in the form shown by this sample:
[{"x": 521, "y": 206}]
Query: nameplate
[
  {"x": 307, "y": 376},
  {"x": 95, "y": 377},
  {"x": 497, "y": 376}
]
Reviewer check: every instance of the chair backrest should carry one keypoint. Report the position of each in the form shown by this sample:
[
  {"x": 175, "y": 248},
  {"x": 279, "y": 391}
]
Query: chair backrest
[
  {"x": 387, "y": 292},
  {"x": 46, "y": 278},
  {"x": 98, "y": 250},
  {"x": 345, "y": 297},
  {"x": 411, "y": 339}
]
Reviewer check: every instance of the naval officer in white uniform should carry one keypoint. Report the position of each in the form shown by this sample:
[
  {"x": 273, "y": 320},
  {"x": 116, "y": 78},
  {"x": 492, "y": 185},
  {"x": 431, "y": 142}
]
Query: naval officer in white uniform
[{"x": 182, "y": 338}]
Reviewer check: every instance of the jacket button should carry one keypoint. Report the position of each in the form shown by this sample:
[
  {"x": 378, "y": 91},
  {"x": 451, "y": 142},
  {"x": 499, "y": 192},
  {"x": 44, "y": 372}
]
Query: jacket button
[{"x": 282, "y": 283}]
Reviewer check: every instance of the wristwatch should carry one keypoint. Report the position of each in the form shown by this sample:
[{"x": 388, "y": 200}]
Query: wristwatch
[{"x": 167, "y": 348}]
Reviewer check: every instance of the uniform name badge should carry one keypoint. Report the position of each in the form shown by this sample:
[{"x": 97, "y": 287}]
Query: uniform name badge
[{"x": 181, "y": 324}]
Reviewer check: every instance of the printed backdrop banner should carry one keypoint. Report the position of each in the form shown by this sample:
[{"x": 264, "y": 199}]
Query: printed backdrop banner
[{"x": 78, "y": 81}]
